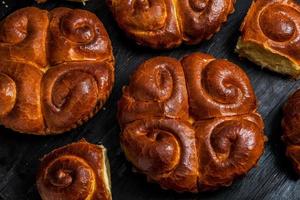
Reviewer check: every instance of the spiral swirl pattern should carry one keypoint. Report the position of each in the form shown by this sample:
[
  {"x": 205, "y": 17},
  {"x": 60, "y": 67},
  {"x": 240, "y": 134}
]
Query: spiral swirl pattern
[
  {"x": 53, "y": 63},
  {"x": 167, "y": 23},
  {"x": 70, "y": 86},
  {"x": 291, "y": 127},
  {"x": 228, "y": 148},
  {"x": 164, "y": 150},
  {"x": 157, "y": 89},
  {"x": 77, "y": 35},
  {"x": 217, "y": 137},
  {"x": 202, "y": 18},
  {"x": 273, "y": 27},
  {"x": 76, "y": 171},
  {"x": 219, "y": 87},
  {"x": 22, "y": 103},
  {"x": 285, "y": 30},
  {"x": 25, "y": 29}
]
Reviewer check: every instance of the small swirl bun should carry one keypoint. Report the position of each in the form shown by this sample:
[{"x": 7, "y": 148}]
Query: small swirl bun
[
  {"x": 69, "y": 86},
  {"x": 76, "y": 171},
  {"x": 270, "y": 36},
  {"x": 23, "y": 36},
  {"x": 190, "y": 125},
  {"x": 291, "y": 128},
  {"x": 165, "y": 24},
  {"x": 77, "y": 35},
  {"x": 164, "y": 149},
  {"x": 53, "y": 63},
  {"x": 200, "y": 19},
  {"x": 228, "y": 148},
  {"x": 218, "y": 87},
  {"x": 156, "y": 89}
]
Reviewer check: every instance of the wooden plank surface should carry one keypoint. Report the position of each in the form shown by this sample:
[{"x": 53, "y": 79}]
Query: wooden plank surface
[{"x": 272, "y": 179}]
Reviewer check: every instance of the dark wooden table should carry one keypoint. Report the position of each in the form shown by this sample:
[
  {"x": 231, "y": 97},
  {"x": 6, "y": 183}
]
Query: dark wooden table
[{"x": 272, "y": 179}]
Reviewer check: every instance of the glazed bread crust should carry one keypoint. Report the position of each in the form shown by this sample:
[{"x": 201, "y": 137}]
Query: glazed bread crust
[
  {"x": 291, "y": 129},
  {"x": 56, "y": 69},
  {"x": 190, "y": 125},
  {"x": 75, "y": 171},
  {"x": 165, "y": 24},
  {"x": 270, "y": 36}
]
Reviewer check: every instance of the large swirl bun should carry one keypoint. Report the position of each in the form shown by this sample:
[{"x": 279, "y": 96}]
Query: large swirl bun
[
  {"x": 78, "y": 171},
  {"x": 56, "y": 69},
  {"x": 291, "y": 129},
  {"x": 166, "y": 23},
  {"x": 190, "y": 125}
]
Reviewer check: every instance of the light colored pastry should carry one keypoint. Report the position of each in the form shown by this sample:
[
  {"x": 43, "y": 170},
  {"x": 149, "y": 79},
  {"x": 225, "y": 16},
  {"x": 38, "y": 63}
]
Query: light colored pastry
[{"x": 271, "y": 36}]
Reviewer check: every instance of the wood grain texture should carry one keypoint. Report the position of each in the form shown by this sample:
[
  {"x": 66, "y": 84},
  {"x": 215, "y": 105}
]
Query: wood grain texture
[{"x": 272, "y": 179}]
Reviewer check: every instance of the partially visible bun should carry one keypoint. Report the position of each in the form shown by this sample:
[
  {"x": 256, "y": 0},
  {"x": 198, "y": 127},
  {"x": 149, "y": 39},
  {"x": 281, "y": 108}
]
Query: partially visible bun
[
  {"x": 291, "y": 129},
  {"x": 165, "y": 24},
  {"x": 270, "y": 36},
  {"x": 82, "y": 1}
]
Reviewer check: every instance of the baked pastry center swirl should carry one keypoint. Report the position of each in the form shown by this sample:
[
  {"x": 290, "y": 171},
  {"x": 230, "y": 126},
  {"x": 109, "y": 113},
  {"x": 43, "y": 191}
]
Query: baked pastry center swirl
[
  {"x": 190, "y": 125},
  {"x": 271, "y": 36},
  {"x": 75, "y": 171},
  {"x": 283, "y": 28},
  {"x": 56, "y": 70}
]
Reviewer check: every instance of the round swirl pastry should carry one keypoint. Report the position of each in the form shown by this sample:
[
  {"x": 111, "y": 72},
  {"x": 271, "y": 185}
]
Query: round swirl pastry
[
  {"x": 190, "y": 125},
  {"x": 76, "y": 171},
  {"x": 270, "y": 36},
  {"x": 291, "y": 129},
  {"x": 165, "y": 24},
  {"x": 56, "y": 69}
]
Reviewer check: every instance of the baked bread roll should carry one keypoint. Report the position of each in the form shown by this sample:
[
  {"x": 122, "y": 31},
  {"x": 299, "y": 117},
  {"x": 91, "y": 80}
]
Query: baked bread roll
[
  {"x": 165, "y": 24},
  {"x": 56, "y": 69},
  {"x": 43, "y": 1},
  {"x": 291, "y": 129},
  {"x": 190, "y": 125},
  {"x": 76, "y": 171},
  {"x": 270, "y": 36}
]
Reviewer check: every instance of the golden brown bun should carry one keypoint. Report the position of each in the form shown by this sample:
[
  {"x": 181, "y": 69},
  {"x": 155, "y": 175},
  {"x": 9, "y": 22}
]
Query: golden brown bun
[
  {"x": 76, "y": 171},
  {"x": 291, "y": 129},
  {"x": 190, "y": 125},
  {"x": 270, "y": 36},
  {"x": 43, "y": 1},
  {"x": 164, "y": 24},
  {"x": 56, "y": 69}
]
